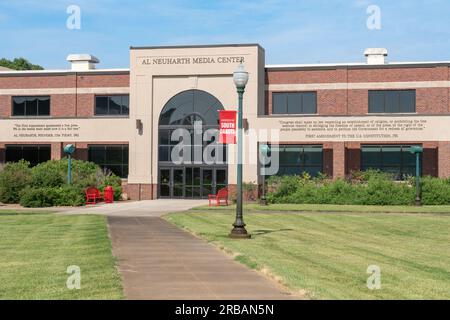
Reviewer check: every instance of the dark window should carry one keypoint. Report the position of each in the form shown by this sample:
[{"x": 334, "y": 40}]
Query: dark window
[
  {"x": 34, "y": 154},
  {"x": 294, "y": 103},
  {"x": 31, "y": 106},
  {"x": 297, "y": 159},
  {"x": 112, "y": 105},
  {"x": 394, "y": 159},
  {"x": 392, "y": 101},
  {"x": 110, "y": 157}
]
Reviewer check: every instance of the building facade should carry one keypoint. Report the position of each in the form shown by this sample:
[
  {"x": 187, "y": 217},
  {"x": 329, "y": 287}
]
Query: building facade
[{"x": 327, "y": 118}]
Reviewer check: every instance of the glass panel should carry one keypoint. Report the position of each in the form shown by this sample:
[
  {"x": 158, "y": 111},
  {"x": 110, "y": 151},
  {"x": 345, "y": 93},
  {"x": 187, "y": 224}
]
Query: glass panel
[
  {"x": 44, "y": 153},
  {"x": 408, "y": 158},
  {"x": 164, "y": 190},
  {"x": 196, "y": 192},
  {"x": 313, "y": 156},
  {"x": 290, "y": 156},
  {"x": 97, "y": 155},
  {"x": 13, "y": 153},
  {"x": 19, "y": 106},
  {"x": 294, "y": 103},
  {"x": 115, "y": 105},
  {"x": 164, "y": 176},
  {"x": 31, "y": 154},
  {"x": 196, "y": 176},
  {"x": 371, "y": 157},
  {"x": 125, "y": 154},
  {"x": 44, "y": 106},
  {"x": 178, "y": 190},
  {"x": 189, "y": 176},
  {"x": 163, "y": 153},
  {"x": 178, "y": 176},
  {"x": 31, "y": 107},
  {"x": 207, "y": 176},
  {"x": 309, "y": 102},
  {"x": 164, "y": 137},
  {"x": 125, "y": 105},
  {"x": 116, "y": 169},
  {"x": 392, "y": 156},
  {"x": 279, "y": 103},
  {"x": 114, "y": 155},
  {"x": 207, "y": 190},
  {"x": 376, "y": 102},
  {"x": 408, "y": 101},
  {"x": 221, "y": 176},
  {"x": 392, "y": 102},
  {"x": 101, "y": 105},
  {"x": 188, "y": 192}
]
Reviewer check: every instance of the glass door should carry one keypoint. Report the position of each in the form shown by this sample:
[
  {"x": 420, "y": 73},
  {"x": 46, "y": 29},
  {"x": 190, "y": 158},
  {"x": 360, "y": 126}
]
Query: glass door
[
  {"x": 178, "y": 183},
  {"x": 164, "y": 183}
]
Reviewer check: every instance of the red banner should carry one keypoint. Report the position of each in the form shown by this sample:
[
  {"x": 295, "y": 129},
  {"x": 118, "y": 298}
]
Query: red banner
[{"x": 227, "y": 125}]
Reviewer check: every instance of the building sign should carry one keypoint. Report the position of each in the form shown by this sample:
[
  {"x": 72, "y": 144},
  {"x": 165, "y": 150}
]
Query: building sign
[
  {"x": 363, "y": 129},
  {"x": 194, "y": 60},
  {"x": 227, "y": 125},
  {"x": 66, "y": 130}
]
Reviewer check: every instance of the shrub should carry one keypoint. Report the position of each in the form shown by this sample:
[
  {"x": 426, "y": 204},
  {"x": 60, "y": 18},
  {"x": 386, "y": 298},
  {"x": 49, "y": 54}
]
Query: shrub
[
  {"x": 371, "y": 188},
  {"x": 13, "y": 179},
  {"x": 37, "y": 197},
  {"x": 46, "y": 184},
  {"x": 435, "y": 191},
  {"x": 69, "y": 196}
]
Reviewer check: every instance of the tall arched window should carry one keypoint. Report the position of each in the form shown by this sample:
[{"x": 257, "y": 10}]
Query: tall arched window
[{"x": 196, "y": 178}]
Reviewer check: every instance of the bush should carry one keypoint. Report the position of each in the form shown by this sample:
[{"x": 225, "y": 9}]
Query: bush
[
  {"x": 435, "y": 191},
  {"x": 372, "y": 188},
  {"x": 37, "y": 197},
  {"x": 13, "y": 179},
  {"x": 46, "y": 184}
]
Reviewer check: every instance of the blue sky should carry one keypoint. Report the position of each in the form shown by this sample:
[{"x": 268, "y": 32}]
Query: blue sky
[{"x": 291, "y": 31}]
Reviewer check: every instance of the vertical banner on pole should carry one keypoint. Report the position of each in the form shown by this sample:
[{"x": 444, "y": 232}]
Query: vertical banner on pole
[{"x": 227, "y": 125}]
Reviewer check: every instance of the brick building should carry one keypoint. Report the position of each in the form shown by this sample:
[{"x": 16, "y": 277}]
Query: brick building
[{"x": 329, "y": 118}]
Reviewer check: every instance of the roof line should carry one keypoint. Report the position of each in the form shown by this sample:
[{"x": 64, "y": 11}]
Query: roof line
[
  {"x": 44, "y": 72},
  {"x": 198, "y": 46}
]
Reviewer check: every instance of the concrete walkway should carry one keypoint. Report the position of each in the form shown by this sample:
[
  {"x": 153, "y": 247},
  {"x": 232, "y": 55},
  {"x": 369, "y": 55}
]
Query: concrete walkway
[
  {"x": 159, "y": 261},
  {"x": 146, "y": 208}
]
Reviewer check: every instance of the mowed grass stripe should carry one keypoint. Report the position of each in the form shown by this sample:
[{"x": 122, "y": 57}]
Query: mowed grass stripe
[
  {"x": 328, "y": 254},
  {"x": 36, "y": 251}
]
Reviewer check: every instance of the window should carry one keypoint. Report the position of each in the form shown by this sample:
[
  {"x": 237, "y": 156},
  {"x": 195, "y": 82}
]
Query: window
[
  {"x": 297, "y": 159},
  {"x": 110, "y": 157},
  {"x": 112, "y": 105},
  {"x": 31, "y": 106},
  {"x": 392, "y": 101},
  {"x": 197, "y": 152},
  {"x": 394, "y": 159},
  {"x": 294, "y": 103},
  {"x": 34, "y": 154}
]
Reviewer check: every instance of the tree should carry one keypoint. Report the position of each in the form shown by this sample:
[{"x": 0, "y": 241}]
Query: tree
[{"x": 19, "y": 64}]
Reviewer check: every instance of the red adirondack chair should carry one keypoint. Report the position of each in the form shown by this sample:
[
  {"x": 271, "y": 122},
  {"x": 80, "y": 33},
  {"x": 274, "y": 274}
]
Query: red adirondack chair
[
  {"x": 220, "y": 197},
  {"x": 93, "y": 195}
]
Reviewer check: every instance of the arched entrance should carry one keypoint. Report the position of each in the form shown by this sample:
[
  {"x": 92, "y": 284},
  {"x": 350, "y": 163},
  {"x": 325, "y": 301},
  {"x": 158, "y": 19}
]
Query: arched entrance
[{"x": 194, "y": 179}]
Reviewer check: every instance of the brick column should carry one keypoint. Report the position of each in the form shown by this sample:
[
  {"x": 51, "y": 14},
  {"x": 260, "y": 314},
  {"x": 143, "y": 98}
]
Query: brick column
[
  {"x": 444, "y": 159},
  {"x": 56, "y": 151},
  {"x": 338, "y": 160}
]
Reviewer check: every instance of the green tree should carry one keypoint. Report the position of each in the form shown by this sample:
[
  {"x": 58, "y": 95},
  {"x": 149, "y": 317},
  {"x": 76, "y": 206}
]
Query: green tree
[{"x": 19, "y": 64}]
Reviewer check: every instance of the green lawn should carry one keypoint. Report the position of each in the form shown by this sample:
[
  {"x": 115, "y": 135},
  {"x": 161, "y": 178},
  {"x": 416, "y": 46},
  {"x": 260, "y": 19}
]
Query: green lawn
[
  {"x": 336, "y": 208},
  {"x": 37, "y": 249},
  {"x": 327, "y": 254}
]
